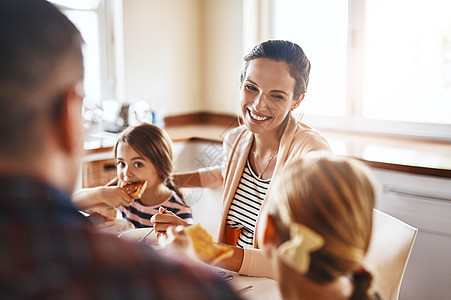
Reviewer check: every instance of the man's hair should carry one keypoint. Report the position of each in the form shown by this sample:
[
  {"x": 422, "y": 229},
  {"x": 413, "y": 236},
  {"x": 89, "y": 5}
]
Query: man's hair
[{"x": 40, "y": 57}]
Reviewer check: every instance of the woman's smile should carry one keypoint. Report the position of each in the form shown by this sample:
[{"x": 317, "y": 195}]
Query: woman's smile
[{"x": 256, "y": 116}]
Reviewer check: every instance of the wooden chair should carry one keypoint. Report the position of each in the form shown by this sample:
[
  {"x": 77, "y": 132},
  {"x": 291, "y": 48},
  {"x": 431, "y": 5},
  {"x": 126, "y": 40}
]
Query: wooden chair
[
  {"x": 99, "y": 173},
  {"x": 390, "y": 247}
]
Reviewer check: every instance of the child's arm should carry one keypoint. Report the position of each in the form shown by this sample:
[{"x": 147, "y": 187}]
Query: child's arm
[
  {"x": 111, "y": 195},
  {"x": 205, "y": 178},
  {"x": 187, "y": 179}
]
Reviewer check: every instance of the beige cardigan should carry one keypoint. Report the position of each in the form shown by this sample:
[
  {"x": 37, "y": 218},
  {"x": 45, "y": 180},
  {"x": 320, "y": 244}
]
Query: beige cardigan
[{"x": 297, "y": 140}]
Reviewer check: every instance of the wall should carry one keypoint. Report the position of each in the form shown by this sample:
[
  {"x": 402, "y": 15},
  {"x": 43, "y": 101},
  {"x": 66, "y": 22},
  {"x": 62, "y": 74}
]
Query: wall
[
  {"x": 222, "y": 32},
  {"x": 183, "y": 55},
  {"x": 161, "y": 46}
]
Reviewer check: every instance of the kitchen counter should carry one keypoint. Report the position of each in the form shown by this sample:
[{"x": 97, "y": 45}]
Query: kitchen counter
[
  {"x": 406, "y": 155},
  {"x": 394, "y": 153}
]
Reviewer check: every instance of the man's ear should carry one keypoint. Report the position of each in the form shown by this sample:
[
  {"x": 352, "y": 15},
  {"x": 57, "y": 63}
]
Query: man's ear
[
  {"x": 298, "y": 101},
  {"x": 69, "y": 122}
]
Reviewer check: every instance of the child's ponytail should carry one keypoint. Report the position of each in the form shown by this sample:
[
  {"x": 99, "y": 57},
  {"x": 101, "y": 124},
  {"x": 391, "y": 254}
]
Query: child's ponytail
[
  {"x": 362, "y": 282},
  {"x": 172, "y": 186}
]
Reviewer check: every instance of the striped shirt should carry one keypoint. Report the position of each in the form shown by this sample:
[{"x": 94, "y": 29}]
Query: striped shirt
[
  {"x": 139, "y": 214},
  {"x": 246, "y": 205}
]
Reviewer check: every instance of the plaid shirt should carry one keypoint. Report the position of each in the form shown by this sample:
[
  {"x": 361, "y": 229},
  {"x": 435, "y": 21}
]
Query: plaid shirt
[{"x": 49, "y": 250}]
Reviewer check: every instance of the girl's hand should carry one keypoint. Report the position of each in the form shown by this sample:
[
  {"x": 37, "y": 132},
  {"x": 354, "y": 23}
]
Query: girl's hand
[
  {"x": 115, "y": 196},
  {"x": 164, "y": 219}
]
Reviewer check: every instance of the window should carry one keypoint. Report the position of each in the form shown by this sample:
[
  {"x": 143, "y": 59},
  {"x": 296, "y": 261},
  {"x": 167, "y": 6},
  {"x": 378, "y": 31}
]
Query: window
[
  {"x": 409, "y": 53},
  {"x": 94, "y": 19},
  {"x": 377, "y": 65},
  {"x": 98, "y": 23}
]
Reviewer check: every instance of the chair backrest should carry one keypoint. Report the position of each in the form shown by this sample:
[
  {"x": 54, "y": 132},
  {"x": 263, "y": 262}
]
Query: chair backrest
[{"x": 390, "y": 247}]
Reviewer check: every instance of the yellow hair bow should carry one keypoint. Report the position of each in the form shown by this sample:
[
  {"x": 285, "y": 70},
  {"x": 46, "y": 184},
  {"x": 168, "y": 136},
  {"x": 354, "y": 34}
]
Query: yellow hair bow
[{"x": 296, "y": 251}]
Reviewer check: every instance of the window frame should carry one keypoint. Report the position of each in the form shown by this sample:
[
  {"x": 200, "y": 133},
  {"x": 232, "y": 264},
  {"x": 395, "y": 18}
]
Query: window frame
[
  {"x": 353, "y": 121},
  {"x": 109, "y": 13}
]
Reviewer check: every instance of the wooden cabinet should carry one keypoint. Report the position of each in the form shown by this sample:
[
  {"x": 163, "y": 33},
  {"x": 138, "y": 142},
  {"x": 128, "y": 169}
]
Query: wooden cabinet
[{"x": 98, "y": 172}]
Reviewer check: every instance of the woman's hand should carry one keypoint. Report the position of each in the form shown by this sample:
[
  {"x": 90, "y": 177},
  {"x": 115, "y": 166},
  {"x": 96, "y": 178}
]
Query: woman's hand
[
  {"x": 176, "y": 237},
  {"x": 164, "y": 219},
  {"x": 178, "y": 243}
]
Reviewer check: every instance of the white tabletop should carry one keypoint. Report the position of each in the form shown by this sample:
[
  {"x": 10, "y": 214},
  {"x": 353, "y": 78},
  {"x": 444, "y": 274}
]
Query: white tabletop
[{"x": 262, "y": 288}]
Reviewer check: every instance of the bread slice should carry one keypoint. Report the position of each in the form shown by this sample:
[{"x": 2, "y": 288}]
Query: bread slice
[
  {"x": 134, "y": 189},
  {"x": 206, "y": 249}
]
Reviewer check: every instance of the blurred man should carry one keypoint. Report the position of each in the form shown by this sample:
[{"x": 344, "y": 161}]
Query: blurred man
[{"x": 47, "y": 249}]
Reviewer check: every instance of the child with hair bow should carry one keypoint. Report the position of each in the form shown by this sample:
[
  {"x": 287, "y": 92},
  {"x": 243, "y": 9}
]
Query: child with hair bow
[{"x": 318, "y": 228}]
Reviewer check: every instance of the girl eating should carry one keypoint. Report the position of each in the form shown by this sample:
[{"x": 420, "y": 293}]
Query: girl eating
[{"x": 143, "y": 153}]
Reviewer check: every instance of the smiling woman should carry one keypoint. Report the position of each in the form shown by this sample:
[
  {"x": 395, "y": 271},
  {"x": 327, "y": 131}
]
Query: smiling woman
[
  {"x": 267, "y": 95},
  {"x": 273, "y": 83}
]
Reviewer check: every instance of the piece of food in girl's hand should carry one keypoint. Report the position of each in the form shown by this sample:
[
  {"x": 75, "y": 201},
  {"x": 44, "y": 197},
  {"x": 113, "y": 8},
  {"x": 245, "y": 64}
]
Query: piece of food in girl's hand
[
  {"x": 134, "y": 189},
  {"x": 206, "y": 249}
]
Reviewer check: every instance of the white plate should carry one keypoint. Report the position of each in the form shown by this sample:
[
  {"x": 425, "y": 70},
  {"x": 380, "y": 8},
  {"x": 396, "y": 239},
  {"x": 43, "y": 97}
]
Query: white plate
[
  {"x": 115, "y": 227},
  {"x": 135, "y": 235}
]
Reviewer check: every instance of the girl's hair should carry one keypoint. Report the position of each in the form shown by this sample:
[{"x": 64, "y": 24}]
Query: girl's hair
[
  {"x": 155, "y": 144},
  {"x": 334, "y": 197},
  {"x": 288, "y": 53}
]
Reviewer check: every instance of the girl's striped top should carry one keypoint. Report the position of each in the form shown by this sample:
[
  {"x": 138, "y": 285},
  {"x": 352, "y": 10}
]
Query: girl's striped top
[
  {"x": 246, "y": 205},
  {"x": 139, "y": 214}
]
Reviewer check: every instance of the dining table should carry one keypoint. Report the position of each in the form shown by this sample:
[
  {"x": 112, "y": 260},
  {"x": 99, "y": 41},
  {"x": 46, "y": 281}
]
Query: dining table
[{"x": 248, "y": 287}]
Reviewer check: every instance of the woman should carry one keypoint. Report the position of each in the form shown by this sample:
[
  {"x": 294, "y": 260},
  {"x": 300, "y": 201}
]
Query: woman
[
  {"x": 318, "y": 228},
  {"x": 273, "y": 83}
]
